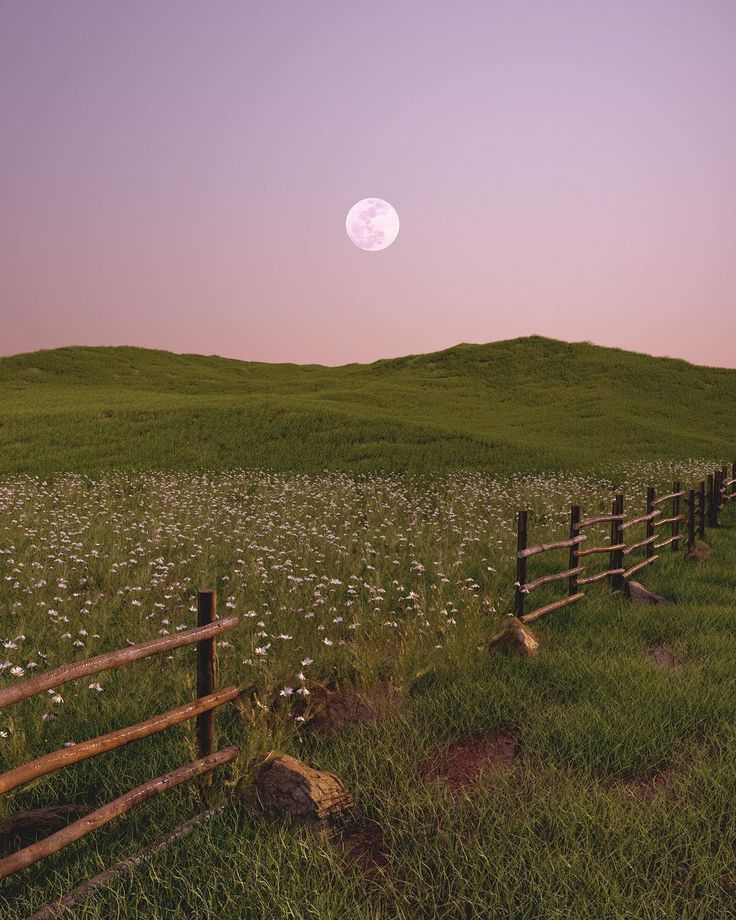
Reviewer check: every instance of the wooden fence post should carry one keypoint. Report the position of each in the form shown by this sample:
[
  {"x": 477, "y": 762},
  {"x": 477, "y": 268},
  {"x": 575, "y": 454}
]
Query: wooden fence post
[
  {"x": 711, "y": 503},
  {"x": 733, "y": 476},
  {"x": 617, "y": 535},
  {"x": 690, "y": 519},
  {"x": 521, "y": 543},
  {"x": 574, "y": 560},
  {"x": 206, "y": 613},
  {"x": 701, "y": 510},
  {"x": 650, "y": 523},
  {"x": 676, "y": 513}
]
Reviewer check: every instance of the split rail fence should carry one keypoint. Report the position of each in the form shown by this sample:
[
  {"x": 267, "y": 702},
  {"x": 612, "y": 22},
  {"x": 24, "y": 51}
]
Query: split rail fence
[
  {"x": 203, "y": 709},
  {"x": 702, "y": 507}
]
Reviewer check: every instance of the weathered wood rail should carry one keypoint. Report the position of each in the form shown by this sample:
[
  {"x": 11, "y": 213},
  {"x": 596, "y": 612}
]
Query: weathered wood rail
[
  {"x": 202, "y": 709},
  {"x": 701, "y": 508},
  {"x": 120, "y": 806},
  {"x": 65, "y": 757},
  {"x": 24, "y": 690},
  {"x": 59, "y": 906}
]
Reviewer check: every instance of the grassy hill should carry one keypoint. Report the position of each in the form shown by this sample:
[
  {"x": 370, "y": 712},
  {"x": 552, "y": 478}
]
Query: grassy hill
[{"x": 531, "y": 403}]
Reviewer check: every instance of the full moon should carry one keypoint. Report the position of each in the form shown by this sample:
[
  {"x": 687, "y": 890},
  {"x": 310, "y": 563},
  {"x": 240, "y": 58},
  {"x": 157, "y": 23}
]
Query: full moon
[{"x": 372, "y": 224}]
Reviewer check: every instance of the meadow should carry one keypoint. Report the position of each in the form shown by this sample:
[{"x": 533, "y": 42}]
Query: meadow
[
  {"x": 619, "y": 801},
  {"x": 531, "y": 404}
]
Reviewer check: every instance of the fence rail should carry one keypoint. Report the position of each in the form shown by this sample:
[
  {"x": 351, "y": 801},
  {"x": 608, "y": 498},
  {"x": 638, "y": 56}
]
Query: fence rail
[
  {"x": 701, "y": 508},
  {"x": 202, "y": 709},
  {"x": 65, "y": 757},
  {"x": 120, "y": 806},
  {"x": 543, "y": 547},
  {"x": 59, "y": 676}
]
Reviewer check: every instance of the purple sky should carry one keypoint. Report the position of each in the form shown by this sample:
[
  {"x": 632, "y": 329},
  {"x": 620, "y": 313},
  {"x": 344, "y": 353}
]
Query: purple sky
[{"x": 177, "y": 175}]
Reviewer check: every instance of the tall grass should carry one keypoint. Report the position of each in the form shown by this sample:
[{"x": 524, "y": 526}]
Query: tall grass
[{"x": 425, "y": 566}]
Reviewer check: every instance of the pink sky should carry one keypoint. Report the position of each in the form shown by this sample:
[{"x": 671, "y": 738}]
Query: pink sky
[{"x": 176, "y": 175}]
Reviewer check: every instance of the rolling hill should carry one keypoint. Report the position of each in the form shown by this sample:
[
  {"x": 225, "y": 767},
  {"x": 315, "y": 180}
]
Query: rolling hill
[{"x": 523, "y": 404}]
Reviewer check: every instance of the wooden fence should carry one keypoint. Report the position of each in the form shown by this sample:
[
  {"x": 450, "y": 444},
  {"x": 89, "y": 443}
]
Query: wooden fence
[
  {"x": 203, "y": 709},
  {"x": 702, "y": 506}
]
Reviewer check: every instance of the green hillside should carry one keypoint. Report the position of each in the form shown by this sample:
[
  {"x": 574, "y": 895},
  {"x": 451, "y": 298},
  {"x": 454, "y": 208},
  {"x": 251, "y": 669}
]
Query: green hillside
[{"x": 531, "y": 403}]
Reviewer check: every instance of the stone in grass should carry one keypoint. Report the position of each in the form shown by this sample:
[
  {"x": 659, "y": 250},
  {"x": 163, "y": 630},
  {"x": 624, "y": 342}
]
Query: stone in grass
[
  {"x": 700, "y": 551},
  {"x": 637, "y": 592},
  {"x": 516, "y": 638},
  {"x": 285, "y": 785}
]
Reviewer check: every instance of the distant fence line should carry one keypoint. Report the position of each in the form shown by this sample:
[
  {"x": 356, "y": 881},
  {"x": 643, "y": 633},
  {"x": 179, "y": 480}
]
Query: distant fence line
[
  {"x": 203, "y": 709},
  {"x": 703, "y": 505}
]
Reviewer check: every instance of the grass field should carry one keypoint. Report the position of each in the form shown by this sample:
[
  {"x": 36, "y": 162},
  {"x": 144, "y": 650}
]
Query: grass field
[
  {"x": 530, "y": 404},
  {"x": 620, "y": 799}
]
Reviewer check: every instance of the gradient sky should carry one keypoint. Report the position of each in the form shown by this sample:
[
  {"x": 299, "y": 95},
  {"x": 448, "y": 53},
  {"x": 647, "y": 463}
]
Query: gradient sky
[{"x": 176, "y": 175}]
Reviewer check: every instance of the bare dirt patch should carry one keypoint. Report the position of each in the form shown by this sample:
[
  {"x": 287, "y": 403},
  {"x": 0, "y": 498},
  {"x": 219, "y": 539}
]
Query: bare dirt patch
[
  {"x": 663, "y": 657},
  {"x": 332, "y": 710},
  {"x": 362, "y": 845},
  {"x": 482, "y": 758},
  {"x": 646, "y": 788},
  {"x": 29, "y": 824}
]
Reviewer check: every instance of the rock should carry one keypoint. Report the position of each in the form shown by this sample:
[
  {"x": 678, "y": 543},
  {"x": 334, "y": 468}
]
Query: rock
[
  {"x": 637, "y": 592},
  {"x": 700, "y": 552},
  {"x": 285, "y": 785},
  {"x": 516, "y": 638}
]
